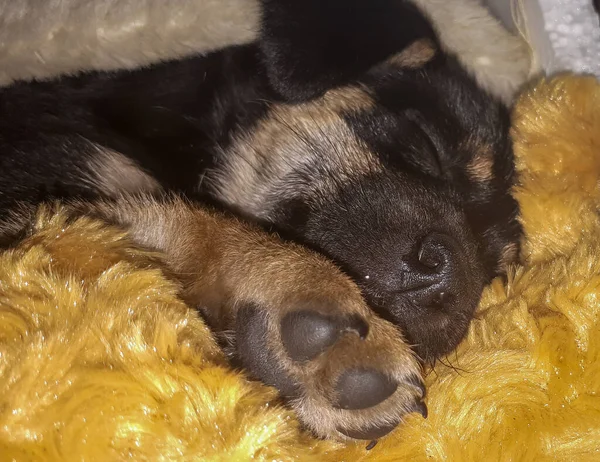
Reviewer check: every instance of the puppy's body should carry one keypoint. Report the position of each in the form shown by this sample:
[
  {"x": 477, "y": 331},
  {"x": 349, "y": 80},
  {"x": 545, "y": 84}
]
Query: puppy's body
[{"x": 344, "y": 127}]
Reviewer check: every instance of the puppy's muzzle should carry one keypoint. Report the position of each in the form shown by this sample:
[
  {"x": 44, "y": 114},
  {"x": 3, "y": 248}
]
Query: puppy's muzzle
[{"x": 435, "y": 292}]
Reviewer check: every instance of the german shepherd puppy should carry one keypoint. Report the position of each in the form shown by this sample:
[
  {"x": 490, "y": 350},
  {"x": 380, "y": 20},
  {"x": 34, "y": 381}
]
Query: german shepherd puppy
[{"x": 346, "y": 128}]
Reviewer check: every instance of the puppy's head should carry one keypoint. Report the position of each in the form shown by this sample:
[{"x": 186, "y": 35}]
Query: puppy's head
[{"x": 399, "y": 170}]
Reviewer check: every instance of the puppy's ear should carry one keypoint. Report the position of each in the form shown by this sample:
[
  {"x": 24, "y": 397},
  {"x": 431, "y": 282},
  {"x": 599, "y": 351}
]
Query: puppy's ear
[{"x": 310, "y": 46}]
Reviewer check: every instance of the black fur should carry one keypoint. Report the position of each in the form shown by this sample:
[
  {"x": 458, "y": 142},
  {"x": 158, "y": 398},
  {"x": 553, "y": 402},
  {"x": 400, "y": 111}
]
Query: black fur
[
  {"x": 309, "y": 47},
  {"x": 176, "y": 119}
]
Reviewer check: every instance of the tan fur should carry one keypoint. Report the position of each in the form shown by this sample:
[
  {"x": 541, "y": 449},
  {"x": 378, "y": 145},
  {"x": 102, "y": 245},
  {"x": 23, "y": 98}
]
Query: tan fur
[
  {"x": 416, "y": 55},
  {"x": 480, "y": 168},
  {"x": 290, "y": 138},
  {"x": 347, "y": 99},
  {"x": 509, "y": 256},
  {"x": 113, "y": 172}
]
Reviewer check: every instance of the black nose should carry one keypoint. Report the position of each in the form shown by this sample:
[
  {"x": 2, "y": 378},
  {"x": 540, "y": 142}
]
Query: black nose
[{"x": 434, "y": 273}]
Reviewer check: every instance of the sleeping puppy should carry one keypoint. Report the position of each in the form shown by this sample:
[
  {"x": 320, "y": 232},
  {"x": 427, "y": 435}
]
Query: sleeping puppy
[{"x": 346, "y": 129}]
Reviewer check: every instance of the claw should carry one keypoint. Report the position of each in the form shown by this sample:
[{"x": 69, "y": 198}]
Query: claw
[
  {"x": 421, "y": 408},
  {"x": 371, "y": 445}
]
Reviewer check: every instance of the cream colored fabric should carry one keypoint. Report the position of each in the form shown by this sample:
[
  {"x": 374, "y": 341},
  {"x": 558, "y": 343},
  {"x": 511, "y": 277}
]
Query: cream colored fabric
[{"x": 42, "y": 38}]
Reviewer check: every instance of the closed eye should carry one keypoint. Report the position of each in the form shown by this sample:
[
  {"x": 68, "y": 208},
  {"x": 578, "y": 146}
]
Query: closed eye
[{"x": 431, "y": 155}]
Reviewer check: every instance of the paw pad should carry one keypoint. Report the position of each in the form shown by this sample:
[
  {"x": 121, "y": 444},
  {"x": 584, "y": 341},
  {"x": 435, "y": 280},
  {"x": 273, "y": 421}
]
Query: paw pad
[
  {"x": 363, "y": 388},
  {"x": 306, "y": 334},
  {"x": 254, "y": 353}
]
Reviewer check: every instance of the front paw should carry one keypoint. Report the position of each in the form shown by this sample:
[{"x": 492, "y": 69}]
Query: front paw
[{"x": 346, "y": 372}]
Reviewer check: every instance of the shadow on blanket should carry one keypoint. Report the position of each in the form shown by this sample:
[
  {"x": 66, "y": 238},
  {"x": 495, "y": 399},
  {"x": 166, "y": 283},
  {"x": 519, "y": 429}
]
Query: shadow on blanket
[{"x": 100, "y": 361}]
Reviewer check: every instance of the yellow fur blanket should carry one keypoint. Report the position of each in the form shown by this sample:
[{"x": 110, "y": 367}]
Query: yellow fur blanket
[{"x": 100, "y": 361}]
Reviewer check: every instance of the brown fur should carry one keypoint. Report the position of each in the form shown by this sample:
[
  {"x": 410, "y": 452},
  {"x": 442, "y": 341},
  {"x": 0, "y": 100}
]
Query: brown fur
[
  {"x": 346, "y": 99},
  {"x": 224, "y": 264},
  {"x": 416, "y": 55},
  {"x": 510, "y": 255},
  {"x": 480, "y": 168},
  {"x": 113, "y": 172}
]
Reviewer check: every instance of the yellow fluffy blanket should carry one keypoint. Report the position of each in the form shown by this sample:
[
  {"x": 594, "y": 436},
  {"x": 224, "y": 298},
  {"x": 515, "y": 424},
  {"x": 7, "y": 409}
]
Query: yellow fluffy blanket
[{"x": 100, "y": 361}]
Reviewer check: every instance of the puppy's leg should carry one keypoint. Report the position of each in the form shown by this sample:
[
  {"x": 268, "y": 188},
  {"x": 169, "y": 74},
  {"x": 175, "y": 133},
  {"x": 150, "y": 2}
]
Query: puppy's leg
[{"x": 298, "y": 323}]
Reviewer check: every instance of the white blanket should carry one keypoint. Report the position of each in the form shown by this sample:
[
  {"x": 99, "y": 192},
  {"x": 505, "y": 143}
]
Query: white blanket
[{"x": 42, "y": 38}]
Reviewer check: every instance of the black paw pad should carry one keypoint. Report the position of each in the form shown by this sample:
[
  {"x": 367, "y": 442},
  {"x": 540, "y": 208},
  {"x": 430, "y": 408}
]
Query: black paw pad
[
  {"x": 254, "y": 353},
  {"x": 363, "y": 388},
  {"x": 305, "y": 334},
  {"x": 370, "y": 433}
]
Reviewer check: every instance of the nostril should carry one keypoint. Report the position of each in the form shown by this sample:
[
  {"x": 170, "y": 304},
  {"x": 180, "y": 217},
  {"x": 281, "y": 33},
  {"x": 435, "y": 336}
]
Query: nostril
[
  {"x": 435, "y": 252},
  {"x": 429, "y": 257},
  {"x": 438, "y": 270}
]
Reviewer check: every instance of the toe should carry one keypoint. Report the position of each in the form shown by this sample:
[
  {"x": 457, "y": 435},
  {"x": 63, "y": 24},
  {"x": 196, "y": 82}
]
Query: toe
[
  {"x": 363, "y": 388},
  {"x": 254, "y": 354},
  {"x": 369, "y": 433},
  {"x": 306, "y": 334}
]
